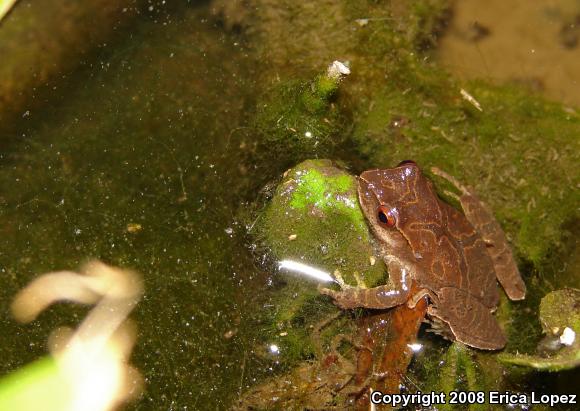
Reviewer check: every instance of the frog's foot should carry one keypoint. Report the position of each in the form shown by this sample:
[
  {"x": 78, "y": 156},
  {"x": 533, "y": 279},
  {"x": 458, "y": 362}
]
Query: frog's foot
[
  {"x": 342, "y": 298},
  {"x": 452, "y": 195},
  {"x": 338, "y": 277},
  {"x": 359, "y": 281}
]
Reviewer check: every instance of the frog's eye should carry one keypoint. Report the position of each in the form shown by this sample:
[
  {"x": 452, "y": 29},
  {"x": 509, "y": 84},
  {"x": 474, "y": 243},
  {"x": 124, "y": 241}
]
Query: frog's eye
[
  {"x": 405, "y": 162},
  {"x": 386, "y": 216}
]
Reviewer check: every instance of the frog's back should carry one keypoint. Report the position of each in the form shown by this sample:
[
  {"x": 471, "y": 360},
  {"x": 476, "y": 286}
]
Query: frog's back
[
  {"x": 475, "y": 274},
  {"x": 449, "y": 249}
]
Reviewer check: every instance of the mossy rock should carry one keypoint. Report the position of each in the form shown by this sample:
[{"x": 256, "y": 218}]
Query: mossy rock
[{"x": 314, "y": 218}]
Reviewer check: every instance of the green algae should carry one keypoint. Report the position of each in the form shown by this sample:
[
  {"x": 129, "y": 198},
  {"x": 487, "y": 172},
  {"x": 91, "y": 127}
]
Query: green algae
[
  {"x": 464, "y": 371},
  {"x": 327, "y": 193},
  {"x": 315, "y": 217},
  {"x": 458, "y": 373}
]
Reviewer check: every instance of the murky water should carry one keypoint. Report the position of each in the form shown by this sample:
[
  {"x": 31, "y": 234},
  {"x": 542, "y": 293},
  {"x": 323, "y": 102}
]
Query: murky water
[
  {"x": 150, "y": 130},
  {"x": 146, "y": 134}
]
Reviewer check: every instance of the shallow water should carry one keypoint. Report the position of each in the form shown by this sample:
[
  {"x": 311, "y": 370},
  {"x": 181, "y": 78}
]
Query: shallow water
[
  {"x": 152, "y": 130},
  {"x": 145, "y": 134},
  {"x": 536, "y": 44}
]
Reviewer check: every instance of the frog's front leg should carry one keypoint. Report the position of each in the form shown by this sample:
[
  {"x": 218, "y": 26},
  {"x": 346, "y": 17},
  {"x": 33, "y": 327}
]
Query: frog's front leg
[
  {"x": 486, "y": 225},
  {"x": 385, "y": 296}
]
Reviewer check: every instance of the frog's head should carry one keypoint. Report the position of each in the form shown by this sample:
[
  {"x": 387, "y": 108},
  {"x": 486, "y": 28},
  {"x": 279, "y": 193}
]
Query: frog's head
[{"x": 393, "y": 199}]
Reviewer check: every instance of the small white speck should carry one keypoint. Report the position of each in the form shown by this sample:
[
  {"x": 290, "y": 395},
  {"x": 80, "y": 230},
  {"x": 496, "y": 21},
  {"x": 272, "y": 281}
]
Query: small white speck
[
  {"x": 229, "y": 230},
  {"x": 308, "y": 134},
  {"x": 416, "y": 347},
  {"x": 404, "y": 279},
  {"x": 568, "y": 336},
  {"x": 274, "y": 349},
  {"x": 346, "y": 201},
  {"x": 337, "y": 70}
]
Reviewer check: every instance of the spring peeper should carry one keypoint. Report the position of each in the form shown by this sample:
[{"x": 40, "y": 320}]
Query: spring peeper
[{"x": 431, "y": 249}]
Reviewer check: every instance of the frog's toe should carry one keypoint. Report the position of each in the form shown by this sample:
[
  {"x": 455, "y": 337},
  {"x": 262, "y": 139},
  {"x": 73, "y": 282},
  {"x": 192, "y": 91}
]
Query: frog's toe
[
  {"x": 359, "y": 281},
  {"x": 324, "y": 290},
  {"x": 344, "y": 298},
  {"x": 329, "y": 292},
  {"x": 340, "y": 281}
]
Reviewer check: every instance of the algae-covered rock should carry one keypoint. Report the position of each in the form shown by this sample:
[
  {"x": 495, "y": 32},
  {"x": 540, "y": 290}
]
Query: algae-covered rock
[
  {"x": 560, "y": 319},
  {"x": 314, "y": 218}
]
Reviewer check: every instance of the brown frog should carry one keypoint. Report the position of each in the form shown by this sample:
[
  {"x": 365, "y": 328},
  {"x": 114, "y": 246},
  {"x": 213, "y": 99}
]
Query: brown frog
[{"x": 431, "y": 249}]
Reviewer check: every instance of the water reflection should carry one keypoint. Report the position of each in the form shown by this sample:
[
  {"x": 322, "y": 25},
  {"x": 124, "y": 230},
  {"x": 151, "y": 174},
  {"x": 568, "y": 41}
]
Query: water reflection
[{"x": 305, "y": 269}]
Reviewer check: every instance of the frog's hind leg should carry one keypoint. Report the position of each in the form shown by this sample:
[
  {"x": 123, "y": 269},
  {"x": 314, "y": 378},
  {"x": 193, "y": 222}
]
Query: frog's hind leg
[
  {"x": 497, "y": 245},
  {"x": 469, "y": 321}
]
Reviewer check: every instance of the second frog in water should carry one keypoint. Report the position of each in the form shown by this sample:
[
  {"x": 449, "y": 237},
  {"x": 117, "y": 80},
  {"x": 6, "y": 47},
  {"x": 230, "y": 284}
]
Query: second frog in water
[{"x": 433, "y": 250}]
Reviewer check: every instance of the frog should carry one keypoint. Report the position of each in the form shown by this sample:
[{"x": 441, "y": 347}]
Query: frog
[{"x": 433, "y": 250}]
